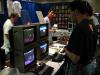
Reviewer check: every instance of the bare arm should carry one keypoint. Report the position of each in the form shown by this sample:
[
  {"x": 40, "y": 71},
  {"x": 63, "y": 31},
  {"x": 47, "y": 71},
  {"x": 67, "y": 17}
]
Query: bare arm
[{"x": 74, "y": 58}]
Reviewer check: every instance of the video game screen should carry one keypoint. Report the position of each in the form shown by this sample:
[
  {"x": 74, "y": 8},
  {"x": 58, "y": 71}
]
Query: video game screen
[
  {"x": 28, "y": 35},
  {"x": 29, "y": 57},
  {"x": 97, "y": 15},
  {"x": 70, "y": 26},
  {"x": 43, "y": 47},
  {"x": 43, "y": 30}
]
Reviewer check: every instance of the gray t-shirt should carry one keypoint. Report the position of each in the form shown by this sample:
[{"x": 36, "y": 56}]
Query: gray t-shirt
[{"x": 95, "y": 20}]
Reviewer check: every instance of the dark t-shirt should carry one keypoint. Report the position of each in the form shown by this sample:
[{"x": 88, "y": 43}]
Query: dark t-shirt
[{"x": 83, "y": 41}]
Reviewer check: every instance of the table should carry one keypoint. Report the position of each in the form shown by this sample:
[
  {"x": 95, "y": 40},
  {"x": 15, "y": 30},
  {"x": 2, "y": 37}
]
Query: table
[{"x": 55, "y": 65}]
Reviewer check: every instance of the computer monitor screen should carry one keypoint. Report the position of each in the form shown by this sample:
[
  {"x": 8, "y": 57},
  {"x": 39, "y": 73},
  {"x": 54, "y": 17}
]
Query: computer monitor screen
[
  {"x": 29, "y": 57},
  {"x": 28, "y": 35},
  {"x": 70, "y": 25},
  {"x": 43, "y": 47},
  {"x": 43, "y": 30},
  {"x": 97, "y": 15}
]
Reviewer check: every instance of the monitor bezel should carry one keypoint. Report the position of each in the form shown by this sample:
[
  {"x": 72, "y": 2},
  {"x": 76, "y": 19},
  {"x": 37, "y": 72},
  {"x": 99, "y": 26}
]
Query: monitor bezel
[{"x": 72, "y": 24}]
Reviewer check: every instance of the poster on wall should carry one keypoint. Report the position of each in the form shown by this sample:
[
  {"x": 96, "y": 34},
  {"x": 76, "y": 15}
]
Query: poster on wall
[{"x": 40, "y": 16}]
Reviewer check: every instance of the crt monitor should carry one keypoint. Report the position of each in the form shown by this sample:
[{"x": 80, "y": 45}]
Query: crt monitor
[
  {"x": 23, "y": 36},
  {"x": 24, "y": 60},
  {"x": 43, "y": 29},
  {"x": 42, "y": 51},
  {"x": 30, "y": 59},
  {"x": 97, "y": 15},
  {"x": 28, "y": 35},
  {"x": 43, "y": 48}
]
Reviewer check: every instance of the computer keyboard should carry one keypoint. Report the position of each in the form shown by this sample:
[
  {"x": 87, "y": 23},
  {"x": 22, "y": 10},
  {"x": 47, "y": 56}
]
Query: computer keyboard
[
  {"x": 48, "y": 57},
  {"x": 58, "y": 57},
  {"x": 44, "y": 70}
]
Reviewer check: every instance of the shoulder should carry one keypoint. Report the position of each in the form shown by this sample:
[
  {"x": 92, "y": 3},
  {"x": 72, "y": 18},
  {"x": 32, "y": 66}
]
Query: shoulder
[
  {"x": 84, "y": 24},
  {"x": 46, "y": 18},
  {"x": 8, "y": 23},
  {"x": 95, "y": 20}
]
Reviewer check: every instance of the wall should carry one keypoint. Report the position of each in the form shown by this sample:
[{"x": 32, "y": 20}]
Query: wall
[
  {"x": 28, "y": 11},
  {"x": 51, "y": 1},
  {"x": 3, "y": 17},
  {"x": 95, "y": 4}
]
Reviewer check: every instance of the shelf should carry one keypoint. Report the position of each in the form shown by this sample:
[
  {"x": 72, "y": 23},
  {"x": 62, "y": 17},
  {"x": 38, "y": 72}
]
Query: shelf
[{"x": 62, "y": 15}]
